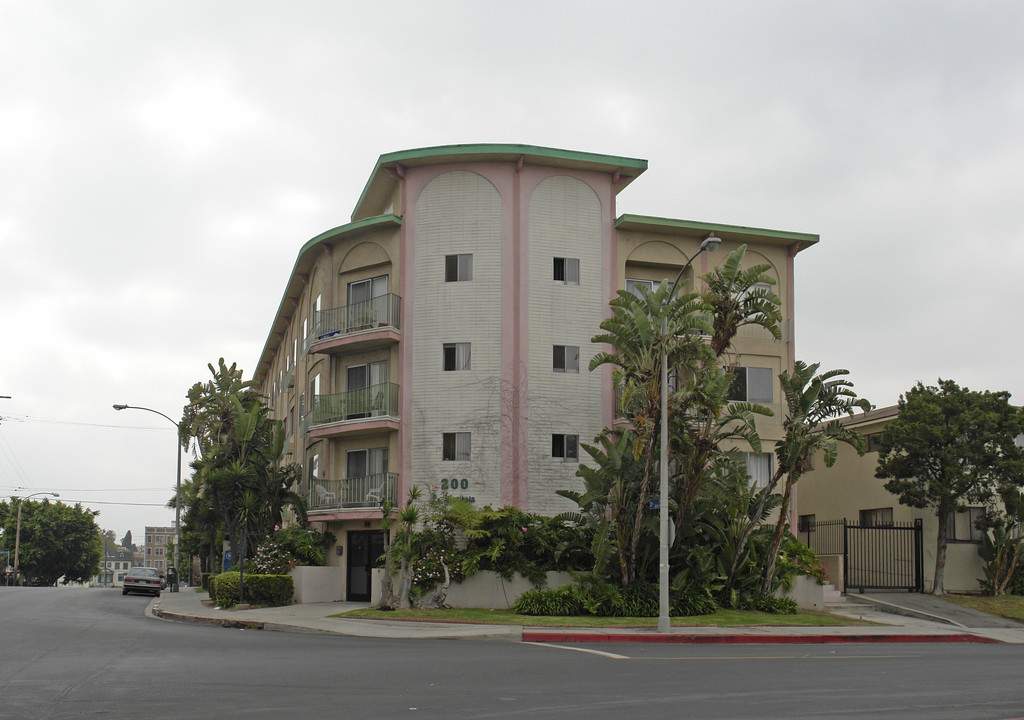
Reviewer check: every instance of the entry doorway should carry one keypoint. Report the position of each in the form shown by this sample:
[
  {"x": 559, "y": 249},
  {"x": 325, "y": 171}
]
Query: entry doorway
[{"x": 364, "y": 549}]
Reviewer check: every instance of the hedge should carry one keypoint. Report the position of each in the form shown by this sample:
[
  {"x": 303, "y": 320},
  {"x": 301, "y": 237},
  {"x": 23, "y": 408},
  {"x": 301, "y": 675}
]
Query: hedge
[{"x": 259, "y": 589}]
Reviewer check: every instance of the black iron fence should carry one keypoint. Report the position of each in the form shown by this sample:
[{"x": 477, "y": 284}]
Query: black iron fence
[{"x": 875, "y": 557}]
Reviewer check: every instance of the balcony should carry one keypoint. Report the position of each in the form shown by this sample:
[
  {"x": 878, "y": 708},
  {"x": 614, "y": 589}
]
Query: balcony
[
  {"x": 363, "y": 325},
  {"x": 369, "y": 408},
  {"x": 352, "y": 493}
]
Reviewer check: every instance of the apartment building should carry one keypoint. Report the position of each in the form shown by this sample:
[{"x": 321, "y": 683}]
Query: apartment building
[
  {"x": 155, "y": 548},
  {"x": 443, "y": 336}
]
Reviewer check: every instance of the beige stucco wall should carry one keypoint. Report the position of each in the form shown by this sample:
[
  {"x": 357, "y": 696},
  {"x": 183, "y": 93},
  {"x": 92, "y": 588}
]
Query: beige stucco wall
[{"x": 850, "y": 486}]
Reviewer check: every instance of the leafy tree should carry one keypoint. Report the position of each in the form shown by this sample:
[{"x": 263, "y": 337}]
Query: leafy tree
[
  {"x": 56, "y": 540},
  {"x": 950, "y": 446}
]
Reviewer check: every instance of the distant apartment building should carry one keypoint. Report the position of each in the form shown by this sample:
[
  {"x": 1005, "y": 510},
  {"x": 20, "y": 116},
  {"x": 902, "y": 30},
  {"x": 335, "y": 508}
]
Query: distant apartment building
[
  {"x": 154, "y": 549},
  {"x": 443, "y": 336}
]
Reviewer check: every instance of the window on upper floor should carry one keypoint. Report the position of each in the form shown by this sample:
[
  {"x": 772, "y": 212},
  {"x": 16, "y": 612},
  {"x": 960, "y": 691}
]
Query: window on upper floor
[
  {"x": 751, "y": 384},
  {"x": 759, "y": 467},
  {"x": 637, "y": 286},
  {"x": 567, "y": 271},
  {"x": 874, "y": 442},
  {"x": 565, "y": 359},
  {"x": 456, "y": 446},
  {"x": 565, "y": 446},
  {"x": 456, "y": 356},
  {"x": 458, "y": 268}
]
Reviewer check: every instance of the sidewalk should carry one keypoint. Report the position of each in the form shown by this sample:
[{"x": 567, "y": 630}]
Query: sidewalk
[{"x": 187, "y": 606}]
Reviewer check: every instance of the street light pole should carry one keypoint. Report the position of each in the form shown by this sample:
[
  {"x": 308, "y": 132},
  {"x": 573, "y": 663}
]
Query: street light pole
[
  {"x": 177, "y": 492},
  {"x": 17, "y": 531},
  {"x": 710, "y": 243}
]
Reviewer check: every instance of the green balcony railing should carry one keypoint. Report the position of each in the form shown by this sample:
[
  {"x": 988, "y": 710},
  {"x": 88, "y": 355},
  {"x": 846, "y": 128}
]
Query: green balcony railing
[
  {"x": 369, "y": 402},
  {"x": 361, "y": 492},
  {"x": 383, "y": 311}
]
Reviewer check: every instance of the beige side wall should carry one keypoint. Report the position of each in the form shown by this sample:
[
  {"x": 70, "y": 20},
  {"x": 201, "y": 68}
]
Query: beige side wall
[{"x": 850, "y": 486}]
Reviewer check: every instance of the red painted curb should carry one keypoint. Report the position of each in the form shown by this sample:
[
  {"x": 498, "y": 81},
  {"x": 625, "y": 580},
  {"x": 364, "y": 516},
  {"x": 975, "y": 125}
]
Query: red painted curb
[{"x": 550, "y": 637}]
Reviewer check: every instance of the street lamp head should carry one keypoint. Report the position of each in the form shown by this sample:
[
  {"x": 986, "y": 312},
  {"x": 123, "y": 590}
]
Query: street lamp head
[
  {"x": 120, "y": 407},
  {"x": 710, "y": 243}
]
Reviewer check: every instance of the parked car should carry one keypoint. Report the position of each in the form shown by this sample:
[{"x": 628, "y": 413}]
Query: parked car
[{"x": 143, "y": 580}]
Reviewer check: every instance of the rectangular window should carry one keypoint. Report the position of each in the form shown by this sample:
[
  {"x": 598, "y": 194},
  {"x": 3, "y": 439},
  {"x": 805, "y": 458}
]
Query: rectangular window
[
  {"x": 806, "y": 524},
  {"x": 456, "y": 356},
  {"x": 458, "y": 268},
  {"x": 566, "y": 359},
  {"x": 759, "y": 468},
  {"x": 567, "y": 270},
  {"x": 314, "y": 387},
  {"x": 751, "y": 384},
  {"x": 876, "y": 517},
  {"x": 455, "y": 446},
  {"x": 565, "y": 446},
  {"x": 963, "y": 526},
  {"x": 637, "y": 287},
  {"x": 873, "y": 441}
]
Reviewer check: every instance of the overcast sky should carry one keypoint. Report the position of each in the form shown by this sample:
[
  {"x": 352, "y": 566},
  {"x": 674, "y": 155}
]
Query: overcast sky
[{"x": 161, "y": 164}]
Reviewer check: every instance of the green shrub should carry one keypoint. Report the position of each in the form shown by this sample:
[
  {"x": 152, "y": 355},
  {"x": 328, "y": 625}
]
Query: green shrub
[
  {"x": 204, "y": 581},
  {"x": 768, "y": 604},
  {"x": 259, "y": 589},
  {"x": 686, "y": 602},
  {"x": 224, "y": 590},
  {"x": 559, "y": 602}
]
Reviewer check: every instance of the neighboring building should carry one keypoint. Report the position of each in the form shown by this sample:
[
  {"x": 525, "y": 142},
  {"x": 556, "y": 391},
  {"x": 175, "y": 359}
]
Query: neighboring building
[
  {"x": 154, "y": 550},
  {"x": 850, "y": 491},
  {"x": 116, "y": 564},
  {"x": 443, "y": 336}
]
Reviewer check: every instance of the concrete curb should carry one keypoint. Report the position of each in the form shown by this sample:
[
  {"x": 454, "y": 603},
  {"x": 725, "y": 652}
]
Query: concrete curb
[{"x": 549, "y": 637}]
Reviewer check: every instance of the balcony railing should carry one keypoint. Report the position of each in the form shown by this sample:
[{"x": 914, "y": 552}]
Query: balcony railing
[
  {"x": 380, "y": 311},
  {"x": 369, "y": 402},
  {"x": 362, "y": 492}
]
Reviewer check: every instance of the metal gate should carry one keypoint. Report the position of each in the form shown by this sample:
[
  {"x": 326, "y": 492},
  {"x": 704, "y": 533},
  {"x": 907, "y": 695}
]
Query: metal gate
[{"x": 875, "y": 557}]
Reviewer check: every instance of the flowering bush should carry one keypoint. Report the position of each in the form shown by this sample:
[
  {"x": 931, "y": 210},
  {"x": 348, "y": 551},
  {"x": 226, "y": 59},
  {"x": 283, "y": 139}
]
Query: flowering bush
[
  {"x": 285, "y": 549},
  {"x": 427, "y": 570}
]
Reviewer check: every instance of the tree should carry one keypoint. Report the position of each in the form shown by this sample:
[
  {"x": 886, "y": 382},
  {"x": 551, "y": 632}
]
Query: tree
[
  {"x": 239, "y": 452},
  {"x": 950, "y": 446},
  {"x": 813, "y": 405},
  {"x": 56, "y": 540}
]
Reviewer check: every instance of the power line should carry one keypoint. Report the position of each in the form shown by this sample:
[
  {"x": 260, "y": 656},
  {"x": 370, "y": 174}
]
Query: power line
[{"x": 51, "y": 421}]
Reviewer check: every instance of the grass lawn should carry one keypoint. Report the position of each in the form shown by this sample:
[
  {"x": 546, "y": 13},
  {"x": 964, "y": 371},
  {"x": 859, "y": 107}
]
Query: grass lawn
[
  {"x": 1010, "y": 607},
  {"x": 722, "y": 618}
]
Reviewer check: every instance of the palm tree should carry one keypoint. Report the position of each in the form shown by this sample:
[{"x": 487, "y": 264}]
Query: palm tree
[
  {"x": 634, "y": 331},
  {"x": 704, "y": 418},
  {"x": 814, "y": 404},
  {"x": 740, "y": 297}
]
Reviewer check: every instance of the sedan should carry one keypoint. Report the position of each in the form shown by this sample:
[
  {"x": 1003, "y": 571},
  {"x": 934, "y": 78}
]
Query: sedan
[{"x": 143, "y": 580}]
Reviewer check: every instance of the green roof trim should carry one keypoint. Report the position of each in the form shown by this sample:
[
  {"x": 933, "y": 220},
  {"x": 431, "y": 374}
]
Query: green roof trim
[
  {"x": 439, "y": 153},
  {"x": 370, "y": 223},
  {"x": 349, "y": 228},
  {"x": 646, "y": 222}
]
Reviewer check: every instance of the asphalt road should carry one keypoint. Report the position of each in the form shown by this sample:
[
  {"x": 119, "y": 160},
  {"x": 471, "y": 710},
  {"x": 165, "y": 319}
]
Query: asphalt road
[{"x": 73, "y": 653}]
